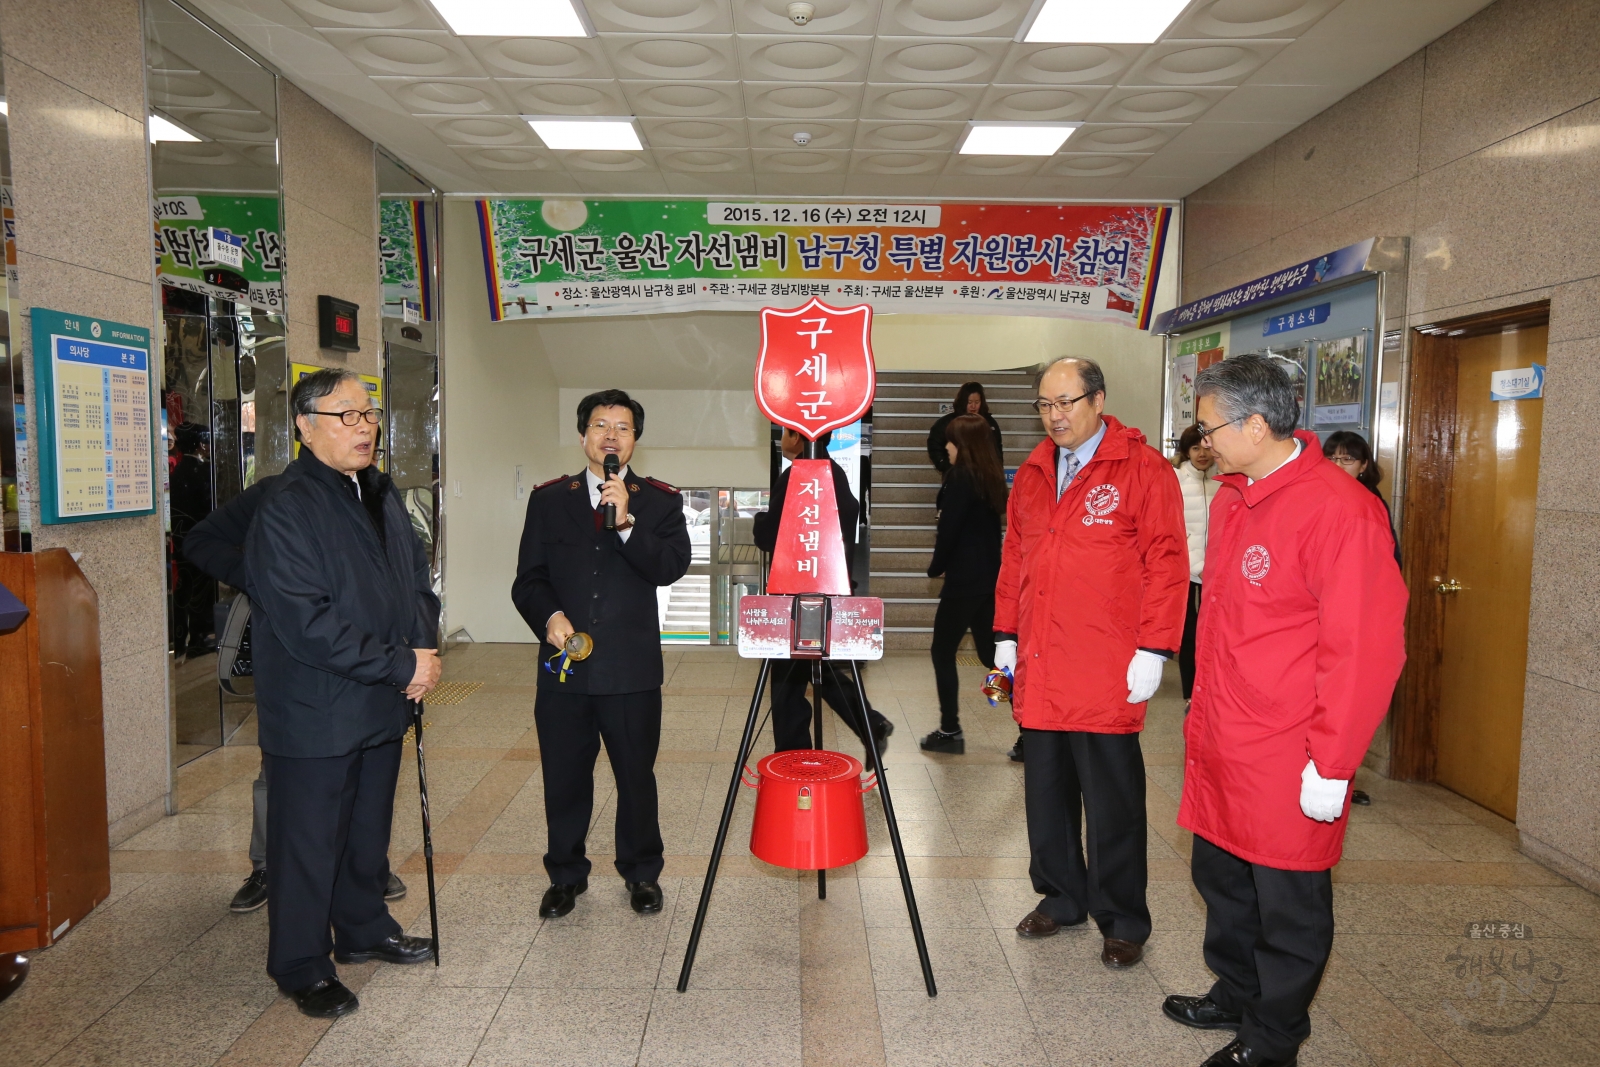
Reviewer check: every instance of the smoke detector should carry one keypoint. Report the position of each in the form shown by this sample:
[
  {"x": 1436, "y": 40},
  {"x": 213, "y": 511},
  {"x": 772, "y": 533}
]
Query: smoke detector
[
  {"x": 802, "y": 138},
  {"x": 800, "y": 14}
]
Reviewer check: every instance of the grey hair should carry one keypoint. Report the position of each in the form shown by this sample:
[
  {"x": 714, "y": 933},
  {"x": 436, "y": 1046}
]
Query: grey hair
[
  {"x": 1089, "y": 373},
  {"x": 1251, "y": 385},
  {"x": 312, "y": 388}
]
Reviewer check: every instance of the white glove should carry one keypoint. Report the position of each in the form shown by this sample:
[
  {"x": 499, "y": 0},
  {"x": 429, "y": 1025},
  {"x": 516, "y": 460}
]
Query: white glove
[
  {"x": 1005, "y": 655},
  {"x": 1144, "y": 676},
  {"x": 1321, "y": 798}
]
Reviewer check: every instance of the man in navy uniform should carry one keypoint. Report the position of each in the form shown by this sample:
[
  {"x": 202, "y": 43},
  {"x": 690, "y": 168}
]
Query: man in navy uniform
[{"x": 573, "y": 575}]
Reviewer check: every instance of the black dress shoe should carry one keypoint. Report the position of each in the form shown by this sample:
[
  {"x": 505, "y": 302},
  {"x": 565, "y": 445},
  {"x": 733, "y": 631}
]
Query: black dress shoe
[
  {"x": 559, "y": 900},
  {"x": 1237, "y": 1054},
  {"x": 1016, "y": 751},
  {"x": 396, "y": 889},
  {"x": 401, "y": 948},
  {"x": 939, "y": 741},
  {"x": 1201, "y": 1013},
  {"x": 646, "y": 897},
  {"x": 251, "y": 895},
  {"x": 327, "y": 999}
]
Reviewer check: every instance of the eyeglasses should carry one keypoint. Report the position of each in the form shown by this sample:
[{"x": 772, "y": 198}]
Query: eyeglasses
[
  {"x": 1062, "y": 407},
  {"x": 1207, "y": 431},
  {"x": 350, "y": 418},
  {"x": 621, "y": 429}
]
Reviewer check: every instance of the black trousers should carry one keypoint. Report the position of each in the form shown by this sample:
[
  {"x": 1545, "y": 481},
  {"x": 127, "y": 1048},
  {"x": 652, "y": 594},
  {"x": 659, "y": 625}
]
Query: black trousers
[
  {"x": 1104, "y": 773},
  {"x": 571, "y": 727},
  {"x": 1191, "y": 620},
  {"x": 959, "y": 612},
  {"x": 327, "y": 859},
  {"x": 791, "y": 711},
  {"x": 1268, "y": 935}
]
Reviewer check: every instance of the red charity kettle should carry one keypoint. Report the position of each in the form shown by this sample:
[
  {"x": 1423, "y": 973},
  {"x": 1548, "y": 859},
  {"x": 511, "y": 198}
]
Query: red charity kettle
[{"x": 809, "y": 813}]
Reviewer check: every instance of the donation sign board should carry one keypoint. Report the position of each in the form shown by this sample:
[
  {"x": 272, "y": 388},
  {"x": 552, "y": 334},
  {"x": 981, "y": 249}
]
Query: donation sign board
[
  {"x": 815, "y": 370},
  {"x": 547, "y": 258},
  {"x": 96, "y": 437},
  {"x": 186, "y": 260}
]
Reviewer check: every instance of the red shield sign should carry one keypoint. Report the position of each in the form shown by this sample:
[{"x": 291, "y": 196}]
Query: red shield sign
[{"x": 815, "y": 371}]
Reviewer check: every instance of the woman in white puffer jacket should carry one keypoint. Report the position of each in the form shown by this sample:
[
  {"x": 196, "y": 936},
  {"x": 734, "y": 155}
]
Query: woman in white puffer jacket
[{"x": 1195, "y": 477}]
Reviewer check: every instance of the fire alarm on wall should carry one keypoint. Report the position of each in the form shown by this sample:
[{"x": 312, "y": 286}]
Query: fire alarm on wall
[{"x": 338, "y": 327}]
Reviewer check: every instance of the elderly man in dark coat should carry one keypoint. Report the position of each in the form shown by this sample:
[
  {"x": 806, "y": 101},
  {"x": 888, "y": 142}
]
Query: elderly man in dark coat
[{"x": 345, "y": 637}]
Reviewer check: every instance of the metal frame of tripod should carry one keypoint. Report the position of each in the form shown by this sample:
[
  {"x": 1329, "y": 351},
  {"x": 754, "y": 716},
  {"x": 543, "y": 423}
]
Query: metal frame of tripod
[{"x": 746, "y": 744}]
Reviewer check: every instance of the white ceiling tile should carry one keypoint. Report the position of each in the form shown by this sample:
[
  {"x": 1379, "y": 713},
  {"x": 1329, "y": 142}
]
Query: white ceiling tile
[
  {"x": 800, "y": 161},
  {"x": 412, "y": 53},
  {"x": 721, "y": 185},
  {"x": 1251, "y": 18},
  {"x": 599, "y": 97},
  {"x": 661, "y": 57},
  {"x": 703, "y": 160},
  {"x": 1090, "y": 166},
  {"x": 439, "y": 96},
  {"x": 540, "y": 57},
  {"x": 953, "y": 18},
  {"x": 1122, "y": 137},
  {"x": 929, "y": 103},
  {"x": 522, "y": 158},
  {"x": 909, "y": 136},
  {"x": 933, "y": 60},
  {"x": 779, "y": 133},
  {"x": 1038, "y": 103},
  {"x": 993, "y": 166},
  {"x": 768, "y": 57},
  {"x": 1201, "y": 62},
  {"x": 895, "y": 185},
  {"x": 889, "y": 163},
  {"x": 181, "y": 88},
  {"x": 605, "y": 162},
  {"x": 1068, "y": 64},
  {"x": 1059, "y": 189},
  {"x": 232, "y": 127},
  {"x": 694, "y": 133},
  {"x": 660, "y": 16},
  {"x": 671, "y": 99},
  {"x": 369, "y": 14},
  {"x": 831, "y": 16},
  {"x": 799, "y": 184},
  {"x": 1143, "y": 104},
  {"x": 481, "y": 130},
  {"x": 647, "y": 182},
  {"x": 977, "y": 187},
  {"x": 772, "y": 100}
]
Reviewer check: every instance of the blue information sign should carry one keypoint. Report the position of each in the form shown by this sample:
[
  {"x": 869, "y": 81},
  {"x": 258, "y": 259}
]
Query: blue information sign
[{"x": 1298, "y": 319}]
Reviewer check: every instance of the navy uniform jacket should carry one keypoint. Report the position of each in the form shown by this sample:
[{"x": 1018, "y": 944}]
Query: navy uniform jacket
[{"x": 604, "y": 585}]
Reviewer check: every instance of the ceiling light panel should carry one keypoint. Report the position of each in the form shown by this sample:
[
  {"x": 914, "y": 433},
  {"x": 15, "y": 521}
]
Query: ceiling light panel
[
  {"x": 164, "y": 129},
  {"x": 1099, "y": 22},
  {"x": 577, "y": 135},
  {"x": 512, "y": 18},
  {"x": 1016, "y": 139}
]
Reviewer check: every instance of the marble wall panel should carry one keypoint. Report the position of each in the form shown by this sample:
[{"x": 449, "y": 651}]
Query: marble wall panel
[
  {"x": 1575, "y": 310},
  {"x": 325, "y": 257},
  {"x": 1385, "y": 214},
  {"x": 91, "y": 45},
  {"x": 325, "y": 163},
  {"x": 1567, "y": 458},
  {"x": 1563, "y": 627},
  {"x": 1558, "y": 794},
  {"x": 134, "y": 693},
  {"x": 1228, "y": 215}
]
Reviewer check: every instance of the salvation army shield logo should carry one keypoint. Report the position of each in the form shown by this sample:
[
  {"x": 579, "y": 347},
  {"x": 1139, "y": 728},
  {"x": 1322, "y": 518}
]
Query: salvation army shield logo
[
  {"x": 1257, "y": 562},
  {"x": 1099, "y": 502},
  {"x": 815, "y": 372}
]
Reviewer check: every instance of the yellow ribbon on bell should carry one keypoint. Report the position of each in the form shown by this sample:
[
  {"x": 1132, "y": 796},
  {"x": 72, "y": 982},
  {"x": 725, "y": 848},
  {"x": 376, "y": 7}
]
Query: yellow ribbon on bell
[{"x": 578, "y": 647}]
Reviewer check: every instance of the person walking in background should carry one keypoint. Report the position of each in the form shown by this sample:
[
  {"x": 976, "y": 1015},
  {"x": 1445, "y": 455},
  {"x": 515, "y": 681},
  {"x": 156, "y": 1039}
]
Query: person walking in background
[
  {"x": 1301, "y": 642},
  {"x": 1199, "y": 487},
  {"x": 1088, "y": 608},
  {"x": 970, "y": 400},
  {"x": 967, "y": 552},
  {"x": 1350, "y": 452}
]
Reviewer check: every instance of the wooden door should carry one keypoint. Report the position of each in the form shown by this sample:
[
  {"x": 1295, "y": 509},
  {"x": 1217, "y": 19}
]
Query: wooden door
[{"x": 1488, "y": 571}]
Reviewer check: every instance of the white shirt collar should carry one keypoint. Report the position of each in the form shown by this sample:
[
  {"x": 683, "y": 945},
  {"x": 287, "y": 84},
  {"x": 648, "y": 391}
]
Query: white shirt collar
[
  {"x": 594, "y": 482},
  {"x": 1299, "y": 445}
]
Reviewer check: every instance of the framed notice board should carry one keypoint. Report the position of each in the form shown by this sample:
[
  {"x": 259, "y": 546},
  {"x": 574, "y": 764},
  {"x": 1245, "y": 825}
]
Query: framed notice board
[{"x": 96, "y": 432}]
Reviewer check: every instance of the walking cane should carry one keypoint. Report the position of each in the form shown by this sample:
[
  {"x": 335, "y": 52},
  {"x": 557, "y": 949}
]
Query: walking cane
[{"x": 427, "y": 830}]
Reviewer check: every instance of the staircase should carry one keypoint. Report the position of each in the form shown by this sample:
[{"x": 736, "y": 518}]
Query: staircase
[{"x": 905, "y": 484}]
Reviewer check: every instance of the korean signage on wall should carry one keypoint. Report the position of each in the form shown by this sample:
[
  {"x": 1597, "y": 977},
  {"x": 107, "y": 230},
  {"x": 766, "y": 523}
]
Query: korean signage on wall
[
  {"x": 569, "y": 257},
  {"x": 185, "y": 259},
  {"x": 403, "y": 258}
]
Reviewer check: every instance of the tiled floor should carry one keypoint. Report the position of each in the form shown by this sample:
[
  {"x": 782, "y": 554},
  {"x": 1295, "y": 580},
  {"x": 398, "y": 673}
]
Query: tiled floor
[{"x": 163, "y": 975}]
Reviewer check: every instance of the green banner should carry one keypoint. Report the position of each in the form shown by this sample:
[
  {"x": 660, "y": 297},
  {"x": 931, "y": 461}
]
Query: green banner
[
  {"x": 183, "y": 246},
  {"x": 403, "y": 257}
]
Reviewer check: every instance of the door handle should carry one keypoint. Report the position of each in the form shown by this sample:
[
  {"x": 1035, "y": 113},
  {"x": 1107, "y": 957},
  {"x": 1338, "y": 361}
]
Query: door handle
[{"x": 1447, "y": 588}]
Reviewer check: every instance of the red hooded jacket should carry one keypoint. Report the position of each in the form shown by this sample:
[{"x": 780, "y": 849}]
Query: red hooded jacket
[
  {"x": 1087, "y": 580},
  {"x": 1300, "y": 642}
]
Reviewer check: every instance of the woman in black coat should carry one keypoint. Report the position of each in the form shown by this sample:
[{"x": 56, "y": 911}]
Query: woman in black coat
[
  {"x": 967, "y": 552},
  {"x": 969, "y": 401}
]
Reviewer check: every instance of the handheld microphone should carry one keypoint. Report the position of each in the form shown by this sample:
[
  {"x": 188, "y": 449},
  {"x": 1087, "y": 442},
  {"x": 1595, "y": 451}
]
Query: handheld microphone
[{"x": 608, "y": 512}]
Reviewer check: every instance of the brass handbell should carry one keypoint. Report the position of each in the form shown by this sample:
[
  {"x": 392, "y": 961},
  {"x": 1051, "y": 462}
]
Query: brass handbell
[{"x": 578, "y": 647}]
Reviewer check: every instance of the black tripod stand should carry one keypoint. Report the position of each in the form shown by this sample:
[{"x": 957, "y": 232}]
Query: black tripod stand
[{"x": 746, "y": 744}]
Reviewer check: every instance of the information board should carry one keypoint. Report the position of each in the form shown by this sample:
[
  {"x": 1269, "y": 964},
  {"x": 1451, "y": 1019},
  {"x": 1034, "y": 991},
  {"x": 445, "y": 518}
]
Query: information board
[{"x": 96, "y": 436}]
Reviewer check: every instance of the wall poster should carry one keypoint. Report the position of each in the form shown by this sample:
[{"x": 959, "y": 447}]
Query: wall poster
[
  {"x": 96, "y": 436},
  {"x": 1341, "y": 380},
  {"x": 183, "y": 247},
  {"x": 403, "y": 258},
  {"x": 546, "y": 258}
]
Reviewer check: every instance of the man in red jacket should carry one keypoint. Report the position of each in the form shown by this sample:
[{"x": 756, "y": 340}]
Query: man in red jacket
[
  {"x": 1088, "y": 609},
  {"x": 1301, "y": 640}
]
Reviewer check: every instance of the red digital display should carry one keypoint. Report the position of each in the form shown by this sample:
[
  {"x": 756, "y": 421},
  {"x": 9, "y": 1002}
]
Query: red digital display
[{"x": 344, "y": 324}]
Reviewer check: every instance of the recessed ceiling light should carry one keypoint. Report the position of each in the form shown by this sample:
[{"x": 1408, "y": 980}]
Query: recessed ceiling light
[
  {"x": 1016, "y": 138},
  {"x": 1099, "y": 22},
  {"x": 513, "y": 18},
  {"x": 164, "y": 129},
  {"x": 600, "y": 135}
]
